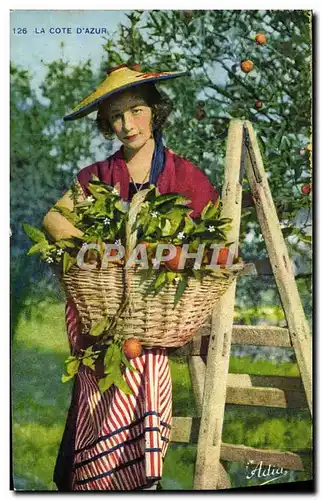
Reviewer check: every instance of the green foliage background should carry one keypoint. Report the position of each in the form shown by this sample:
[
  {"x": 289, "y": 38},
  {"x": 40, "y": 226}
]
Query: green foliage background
[{"x": 46, "y": 153}]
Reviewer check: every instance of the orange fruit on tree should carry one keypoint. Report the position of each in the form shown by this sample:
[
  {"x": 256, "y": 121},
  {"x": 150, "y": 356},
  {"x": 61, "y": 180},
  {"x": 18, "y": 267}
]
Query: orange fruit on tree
[
  {"x": 306, "y": 188},
  {"x": 260, "y": 39},
  {"x": 258, "y": 104},
  {"x": 132, "y": 348},
  {"x": 246, "y": 65}
]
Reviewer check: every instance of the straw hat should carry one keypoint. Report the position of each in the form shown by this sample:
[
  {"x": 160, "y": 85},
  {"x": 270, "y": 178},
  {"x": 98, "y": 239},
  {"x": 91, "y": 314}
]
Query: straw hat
[{"x": 118, "y": 79}]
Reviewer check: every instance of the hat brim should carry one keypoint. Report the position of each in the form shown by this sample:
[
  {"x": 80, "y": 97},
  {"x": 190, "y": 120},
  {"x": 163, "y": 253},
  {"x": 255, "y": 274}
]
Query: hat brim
[{"x": 93, "y": 106}]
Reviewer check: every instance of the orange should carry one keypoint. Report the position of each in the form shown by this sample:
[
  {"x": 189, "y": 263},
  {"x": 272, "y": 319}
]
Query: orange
[
  {"x": 306, "y": 188},
  {"x": 246, "y": 65},
  {"x": 222, "y": 256},
  {"x": 173, "y": 263},
  {"x": 258, "y": 104},
  {"x": 114, "y": 252},
  {"x": 260, "y": 39},
  {"x": 132, "y": 348}
]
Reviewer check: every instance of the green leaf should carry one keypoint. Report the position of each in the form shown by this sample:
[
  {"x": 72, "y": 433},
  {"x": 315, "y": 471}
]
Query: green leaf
[
  {"x": 180, "y": 289},
  {"x": 99, "y": 327},
  {"x": 153, "y": 224},
  {"x": 90, "y": 362},
  {"x": 161, "y": 279},
  {"x": 68, "y": 262},
  {"x": 65, "y": 243},
  {"x": 127, "y": 363},
  {"x": 121, "y": 384},
  {"x": 174, "y": 198},
  {"x": 188, "y": 226},
  {"x": 212, "y": 212},
  {"x": 205, "y": 209},
  {"x": 201, "y": 228},
  {"x": 70, "y": 358},
  {"x": 38, "y": 247},
  {"x": 170, "y": 276},
  {"x": 65, "y": 378},
  {"x": 122, "y": 206},
  {"x": 112, "y": 361},
  {"x": 306, "y": 238},
  {"x": 109, "y": 355},
  {"x": 105, "y": 382},
  {"x": 34, "y": 234},
  {"x": 166, "y": 227},
  {"x": 167, "y": 206},
  {"x": 96, "y": 191},
  {"x": 287, "y": 231},
  {"x": 72, "y": 367}
]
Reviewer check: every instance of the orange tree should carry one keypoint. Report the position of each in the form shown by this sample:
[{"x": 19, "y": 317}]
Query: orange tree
[{"x": 253, "y": 65}]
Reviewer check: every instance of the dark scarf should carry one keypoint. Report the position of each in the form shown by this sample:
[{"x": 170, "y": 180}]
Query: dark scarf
[{"x": 158, "y": 158}]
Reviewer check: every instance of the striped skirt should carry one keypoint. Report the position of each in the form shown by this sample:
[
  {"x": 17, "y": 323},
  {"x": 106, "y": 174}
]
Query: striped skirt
[{"x": 114, "y": 441}]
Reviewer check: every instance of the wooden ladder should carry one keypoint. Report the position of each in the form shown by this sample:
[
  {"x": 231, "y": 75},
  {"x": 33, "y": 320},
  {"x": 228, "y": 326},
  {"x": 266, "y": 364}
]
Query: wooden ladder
[{"x": 209, "y": 352}]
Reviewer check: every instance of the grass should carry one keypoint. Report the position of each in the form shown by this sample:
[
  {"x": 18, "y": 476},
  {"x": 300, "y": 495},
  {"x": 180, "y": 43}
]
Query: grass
[
  {"x": 248, "y": 365},
  {"x": 41, "y": 401}
]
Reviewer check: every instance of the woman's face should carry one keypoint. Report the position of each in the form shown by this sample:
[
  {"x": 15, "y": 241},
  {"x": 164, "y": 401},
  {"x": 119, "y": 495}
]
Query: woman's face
[{"x": 130, "y": 118}]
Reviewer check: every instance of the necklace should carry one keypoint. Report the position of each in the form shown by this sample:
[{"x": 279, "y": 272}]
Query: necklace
[{"x": 142, "y": 183}]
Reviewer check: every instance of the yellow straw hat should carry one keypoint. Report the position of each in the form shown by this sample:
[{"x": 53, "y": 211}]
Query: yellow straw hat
[{"x": 118, "y": 79}]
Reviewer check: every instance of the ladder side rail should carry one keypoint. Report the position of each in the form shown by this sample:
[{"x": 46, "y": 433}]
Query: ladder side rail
[
  {"x": 213, "y": 407},
  {"x": 280, "y": 262}
]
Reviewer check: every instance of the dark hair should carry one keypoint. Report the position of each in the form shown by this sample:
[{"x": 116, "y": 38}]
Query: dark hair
[{"x": 156, "y": 99}]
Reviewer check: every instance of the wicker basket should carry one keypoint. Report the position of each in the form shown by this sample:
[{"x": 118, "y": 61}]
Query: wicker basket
[{"x": 122, "y": 294}]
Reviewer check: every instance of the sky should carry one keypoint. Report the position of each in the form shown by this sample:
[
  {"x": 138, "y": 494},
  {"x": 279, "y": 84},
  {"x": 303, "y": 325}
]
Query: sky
[{"x": 36, "y": 36}]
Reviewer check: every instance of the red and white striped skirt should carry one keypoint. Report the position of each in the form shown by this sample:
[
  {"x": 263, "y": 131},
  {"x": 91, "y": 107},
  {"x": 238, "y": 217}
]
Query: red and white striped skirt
[{"x": 114, "y": 441}]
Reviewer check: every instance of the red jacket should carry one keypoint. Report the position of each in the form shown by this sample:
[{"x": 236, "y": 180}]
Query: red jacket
[{"x": 178, "y": 176}]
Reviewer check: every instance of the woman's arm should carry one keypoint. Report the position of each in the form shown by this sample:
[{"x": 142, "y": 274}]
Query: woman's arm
[{"x": 56, "y": 224}]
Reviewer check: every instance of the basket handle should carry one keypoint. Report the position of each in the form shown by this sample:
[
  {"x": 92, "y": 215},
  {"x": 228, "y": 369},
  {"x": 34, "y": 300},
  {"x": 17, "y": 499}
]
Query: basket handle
[{"x": 135, "y": 207}]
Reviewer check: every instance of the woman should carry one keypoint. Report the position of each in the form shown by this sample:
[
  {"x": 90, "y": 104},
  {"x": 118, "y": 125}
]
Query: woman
[{"x": 114, "y": 441}]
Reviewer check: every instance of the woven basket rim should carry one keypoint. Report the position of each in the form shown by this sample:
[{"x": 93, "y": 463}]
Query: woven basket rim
[{"x": 239, "y": 266}]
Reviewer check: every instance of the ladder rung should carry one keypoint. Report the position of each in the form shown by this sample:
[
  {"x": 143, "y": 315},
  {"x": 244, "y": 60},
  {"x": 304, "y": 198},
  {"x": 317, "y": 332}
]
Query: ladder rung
[
  {"x": 253, "y": 390},
  {"x": 277, "y": 382},
  {"x": 275, "y": 458},
  {"x": 265, "y": 396},
  {"x": 260, "y": 267},
  {"x": 262, "y": 335},
  {"x": 185, "y": 430}
]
